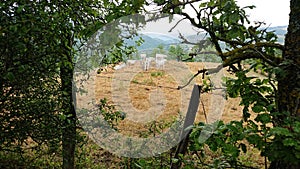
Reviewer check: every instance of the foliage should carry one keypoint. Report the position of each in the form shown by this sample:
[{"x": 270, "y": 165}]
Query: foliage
[
  {"x": 267, "y": 98},
  {"x": 37, "y": 58},
  {"x": 38, "y": 43},
  {"x": 176, "y": 52},
  {"x": 111, "y": 116},
  {"x": 259, "y": 94},
  {"x": 29, "y": 90}
]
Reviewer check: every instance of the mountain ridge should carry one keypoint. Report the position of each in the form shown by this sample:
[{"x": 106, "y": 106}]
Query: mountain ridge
[{"x": 154, "y": 39}]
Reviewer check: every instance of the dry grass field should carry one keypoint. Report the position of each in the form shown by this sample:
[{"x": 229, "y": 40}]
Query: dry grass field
[{"x": 154, "y": 94}]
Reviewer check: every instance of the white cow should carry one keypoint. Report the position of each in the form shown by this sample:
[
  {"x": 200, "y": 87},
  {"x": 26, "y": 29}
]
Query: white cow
[
  {"x": 118, "y": 67},
  {"x": 131, "y": 62},
  {"x": 160, "y": 61},
  {"x": 160, "y": 64},
  {"x": 147, "y": 63},
  {"x": 143, "y": 57},
  {"x": 143, "y": 60}
]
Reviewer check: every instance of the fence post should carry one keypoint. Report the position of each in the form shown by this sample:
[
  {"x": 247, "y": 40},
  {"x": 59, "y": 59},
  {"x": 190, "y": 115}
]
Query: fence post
[{"x": 189, "y": 120}]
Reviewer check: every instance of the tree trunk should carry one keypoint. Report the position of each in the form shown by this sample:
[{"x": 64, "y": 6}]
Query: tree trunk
[
  {"x": 69, "y": 124},
  {"x": 289, "y": 79},
  {"x": 68, "y": 109}
]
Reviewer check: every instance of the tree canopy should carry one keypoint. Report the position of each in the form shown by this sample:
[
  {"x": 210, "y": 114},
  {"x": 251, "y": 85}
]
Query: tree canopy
[{"x": 37, "y": 62}]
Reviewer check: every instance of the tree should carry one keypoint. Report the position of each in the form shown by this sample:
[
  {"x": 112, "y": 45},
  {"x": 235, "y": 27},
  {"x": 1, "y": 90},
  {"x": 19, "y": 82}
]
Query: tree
[
  {"x": 29, "y": 86},
  {"x": 176, "y": 52},
  {"x": 276, "y": 98},
  {"x": 289, "y": 84},
  {"x": 37, "y": 63}
]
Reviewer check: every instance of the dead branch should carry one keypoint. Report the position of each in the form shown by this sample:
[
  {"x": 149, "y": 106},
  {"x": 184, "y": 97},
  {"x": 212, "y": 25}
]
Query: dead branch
[
  {"x": 204, "y": 111},
  {"x": 185, "y": 41},
  {"x": 176, "y": 24},
  {"x": 205, "y": 52},
  {"x": 204, "y": 72}
]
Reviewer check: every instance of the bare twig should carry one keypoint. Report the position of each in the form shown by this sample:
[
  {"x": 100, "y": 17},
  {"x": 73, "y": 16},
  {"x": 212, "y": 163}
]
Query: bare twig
[
  {"x": 204, "y": 112},
  {"x": 176, "y": 24},
  {"x": 296, "y": 106},
  {"x": 271, "y": 62},
  {"x": 204, "y": 72},
  {"x": 191, "y": 79},
  {"x": 204, "y": 52},
  {"x": 184, "y": 40}
]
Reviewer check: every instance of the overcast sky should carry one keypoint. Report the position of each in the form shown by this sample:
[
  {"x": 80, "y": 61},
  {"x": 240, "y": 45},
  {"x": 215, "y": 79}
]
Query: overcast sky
[{"x": 274, "y": 12}]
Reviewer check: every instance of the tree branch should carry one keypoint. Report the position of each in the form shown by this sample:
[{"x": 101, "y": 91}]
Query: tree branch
[
  {"x": 182, "y": 3},
  {"x": 176, "y": 24},
  {"x": 204, "y": 72},
  {"x": 251, "y": 51},
  {"x": 204, "y": 52},
  {"x": 185, "y": 40}
]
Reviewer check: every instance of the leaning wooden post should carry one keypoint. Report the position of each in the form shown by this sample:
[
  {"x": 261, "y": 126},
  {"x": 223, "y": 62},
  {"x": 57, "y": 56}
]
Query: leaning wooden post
[{"x": 189, "y": 120}]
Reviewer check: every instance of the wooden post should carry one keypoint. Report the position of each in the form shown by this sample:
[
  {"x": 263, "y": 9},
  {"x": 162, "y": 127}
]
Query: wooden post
[{"x": 189, "y": 120}]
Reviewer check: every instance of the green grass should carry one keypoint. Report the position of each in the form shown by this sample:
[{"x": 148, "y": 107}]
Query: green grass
[
  {"x": 89, "y": 155},
  {"x": 157, "y": 74}
]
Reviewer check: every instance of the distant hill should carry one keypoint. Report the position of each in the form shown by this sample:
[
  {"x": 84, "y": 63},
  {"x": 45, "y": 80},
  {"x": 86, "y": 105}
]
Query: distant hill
[
  {"x": 153, "y": 39},
  {"x": 197, "y": 37},
  {"x": 280, "y": 31},
  {"x": 165, "y": 39}
]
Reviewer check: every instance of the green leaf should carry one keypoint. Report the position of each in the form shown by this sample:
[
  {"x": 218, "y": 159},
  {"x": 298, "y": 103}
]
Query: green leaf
[
  {"x": 227, "y": 5},
  {"x": 297, "y": 127},
  {"x": 281, "y": 131},
  {"x": 263, "y": 118},
  {"x": 234, "y": 17},
  {"x": 177, "y": 10},
  {"x": 175, "y": 160},
  {"x": 10, "y": 76},
  {"x": 62, "y": 117},
  {"x": 203, "y": 4},
  {"x": 211, "y": 3},
  {"x": 289, "y": 142},
  {"x": 258, "y": 108}
]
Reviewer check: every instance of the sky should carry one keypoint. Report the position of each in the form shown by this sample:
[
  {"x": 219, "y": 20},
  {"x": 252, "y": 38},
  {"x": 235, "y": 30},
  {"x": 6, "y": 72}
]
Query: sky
[{"x": 274, "y": 12}]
